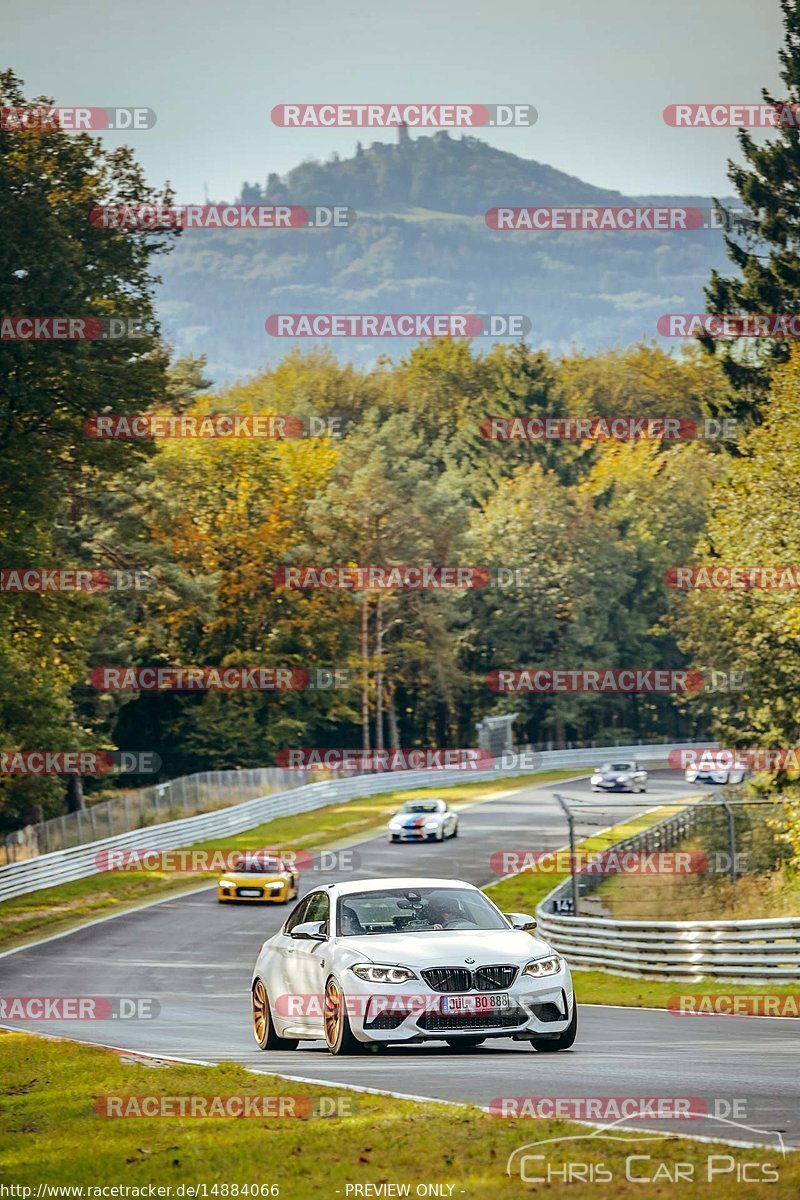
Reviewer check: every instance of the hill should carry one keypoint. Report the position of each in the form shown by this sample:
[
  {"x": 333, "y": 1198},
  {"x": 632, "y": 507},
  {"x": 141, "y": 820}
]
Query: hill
[{"x": 420, "y": 244}]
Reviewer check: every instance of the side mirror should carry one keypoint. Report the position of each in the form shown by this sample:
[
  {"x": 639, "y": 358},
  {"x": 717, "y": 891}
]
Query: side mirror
[
  {"x": 518, "y": 921},
  {"x": 309, "y": 931}
]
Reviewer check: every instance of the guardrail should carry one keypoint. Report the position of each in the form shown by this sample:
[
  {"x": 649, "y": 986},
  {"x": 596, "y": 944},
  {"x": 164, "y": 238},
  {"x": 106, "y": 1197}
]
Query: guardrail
[
  {"x": 765, "y": 950},
  {"x": 63, "y": 866},
  {"x": 186, "y": 796}
]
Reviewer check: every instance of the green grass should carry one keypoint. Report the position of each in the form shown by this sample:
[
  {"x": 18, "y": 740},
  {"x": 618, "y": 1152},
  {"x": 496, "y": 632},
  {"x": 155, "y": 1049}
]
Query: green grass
[
  {"x": 52, "y": 1134},
  {"x": 702, "y": 896},
  {"x": 522, "y": 893},
  {"x": 602, "y": 987},
  {"x": 53, "y": 910}
]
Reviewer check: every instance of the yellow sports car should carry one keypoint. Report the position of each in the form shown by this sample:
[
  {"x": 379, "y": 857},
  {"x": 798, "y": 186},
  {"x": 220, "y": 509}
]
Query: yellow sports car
[{"x": 262, "y": 877}]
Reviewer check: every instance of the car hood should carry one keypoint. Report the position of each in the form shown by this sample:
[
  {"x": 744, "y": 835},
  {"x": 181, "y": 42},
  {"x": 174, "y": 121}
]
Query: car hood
[{"x": 448, "y": 947}]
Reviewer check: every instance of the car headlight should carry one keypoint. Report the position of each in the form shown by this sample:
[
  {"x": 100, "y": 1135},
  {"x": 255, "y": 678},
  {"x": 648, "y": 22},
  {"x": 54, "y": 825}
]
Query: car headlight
[
  {"x": 226, "y": 883},
  {"x": 377, "y": 974},
  {"x": 431, "y": 824},
  {"x": 596, "y": 779},
  {"x": 543, "y": 966},
  {"x": 395, "y": 823}
]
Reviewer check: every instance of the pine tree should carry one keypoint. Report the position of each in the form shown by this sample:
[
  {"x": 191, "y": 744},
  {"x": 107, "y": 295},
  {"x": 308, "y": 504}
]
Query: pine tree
[{"x": 767, "y": 250}]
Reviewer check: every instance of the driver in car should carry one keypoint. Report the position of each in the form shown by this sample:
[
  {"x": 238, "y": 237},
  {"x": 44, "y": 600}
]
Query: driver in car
[{"x": 445, "y": 913}]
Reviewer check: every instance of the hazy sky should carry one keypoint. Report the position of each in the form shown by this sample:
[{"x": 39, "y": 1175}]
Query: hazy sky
[{"x": 599, "y": 72}]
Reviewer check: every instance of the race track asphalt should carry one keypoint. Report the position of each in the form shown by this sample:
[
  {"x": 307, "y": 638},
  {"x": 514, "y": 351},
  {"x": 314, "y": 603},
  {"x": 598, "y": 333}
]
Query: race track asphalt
[{"x": 195, "y": 958}]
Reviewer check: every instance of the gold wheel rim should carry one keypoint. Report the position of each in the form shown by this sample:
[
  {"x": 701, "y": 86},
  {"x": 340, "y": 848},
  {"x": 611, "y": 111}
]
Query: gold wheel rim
[
  {"x": 260, "y": 1011},
  {"x": 333, "y": 1012}
]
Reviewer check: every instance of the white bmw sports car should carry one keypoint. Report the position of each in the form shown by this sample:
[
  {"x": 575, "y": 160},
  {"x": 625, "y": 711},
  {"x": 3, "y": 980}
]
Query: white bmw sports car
[
  {"x": 423, "y": 821},
  {"x": 405, "y": 961},
  {"x": 712, "y": 772}
]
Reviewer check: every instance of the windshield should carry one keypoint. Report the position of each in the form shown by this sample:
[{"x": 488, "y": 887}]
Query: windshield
[
  {"x": 257, "y": 866},
  {"x": 617, "y": 767},
  {"x": 422, "y": 806},
  {"x": 415, "y": 910}
]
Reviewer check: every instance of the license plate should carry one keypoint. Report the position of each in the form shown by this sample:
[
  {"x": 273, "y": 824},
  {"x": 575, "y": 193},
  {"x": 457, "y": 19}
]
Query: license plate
[
  {"x": 249, "y": 891},
  {"x": 474, "y": 1004}
]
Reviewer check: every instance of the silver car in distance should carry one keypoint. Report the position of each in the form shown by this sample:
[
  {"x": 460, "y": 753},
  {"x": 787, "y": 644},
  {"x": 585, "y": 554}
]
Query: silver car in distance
[
  {"x": 408, "y": 961},
  {"x": 620, "y": 776}
]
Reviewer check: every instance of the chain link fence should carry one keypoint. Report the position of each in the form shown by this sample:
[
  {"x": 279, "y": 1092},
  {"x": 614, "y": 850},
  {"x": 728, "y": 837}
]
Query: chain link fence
[{"x": 140, "y": 807}]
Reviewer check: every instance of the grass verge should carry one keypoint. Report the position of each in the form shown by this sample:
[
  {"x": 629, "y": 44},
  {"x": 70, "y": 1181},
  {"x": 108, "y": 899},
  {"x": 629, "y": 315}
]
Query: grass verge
[
  {"x": 522, "y": 893},
  {"x": 702, "y": 896},
  {"x": 53, "y": 1134},
  {"x": 56, "y": 909}
]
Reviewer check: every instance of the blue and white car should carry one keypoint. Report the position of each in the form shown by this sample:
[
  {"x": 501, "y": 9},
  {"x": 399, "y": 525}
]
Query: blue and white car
[
  {"x": 623, "y": 776},
  {"x": 423, "y": 821}
]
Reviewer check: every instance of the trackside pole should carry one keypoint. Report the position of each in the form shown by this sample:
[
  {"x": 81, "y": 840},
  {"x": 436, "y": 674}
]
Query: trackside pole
[
  {"x": 571, "y": 824},
  {"x": 731, "y": 839}
]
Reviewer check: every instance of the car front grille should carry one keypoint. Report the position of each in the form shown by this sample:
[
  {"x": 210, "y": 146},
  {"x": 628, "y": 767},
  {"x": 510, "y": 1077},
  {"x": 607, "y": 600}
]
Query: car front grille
[
  {"x": 494, "y": 979},
  {"x": 460, "y": 979},
  {"x": 499, "y": 1018},
  {"x": 448, "y": 979}
]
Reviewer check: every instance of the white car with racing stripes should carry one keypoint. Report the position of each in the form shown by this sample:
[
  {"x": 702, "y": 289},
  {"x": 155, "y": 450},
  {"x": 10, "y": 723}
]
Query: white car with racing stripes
[
  {"x": 423, "y": 821},
  {"x": 408, "y": 961}
]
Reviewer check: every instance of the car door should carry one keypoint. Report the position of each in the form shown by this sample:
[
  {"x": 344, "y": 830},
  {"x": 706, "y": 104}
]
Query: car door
[
  {"x": 309, "y": 964},
  {"x": 277, "y": 969}
]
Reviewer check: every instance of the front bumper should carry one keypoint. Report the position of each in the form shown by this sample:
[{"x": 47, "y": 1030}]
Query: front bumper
[
  {"x": 270, "y": 893},
  {"x": 717, "y": 777},
  {"x": 613, "y": 785},
  {"x": 410, "y": 1013},
  {"x": 414, "y": 835}
]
